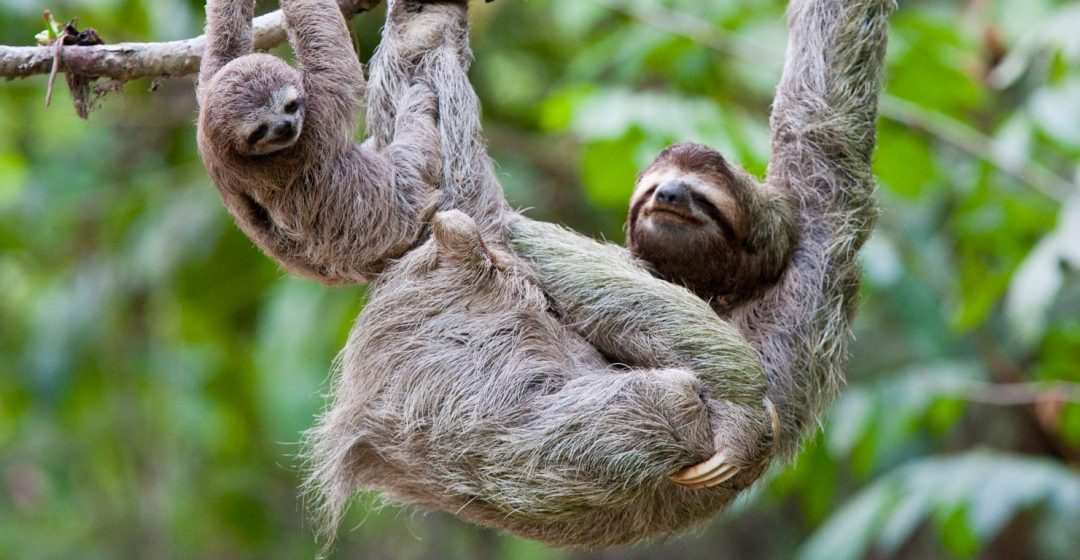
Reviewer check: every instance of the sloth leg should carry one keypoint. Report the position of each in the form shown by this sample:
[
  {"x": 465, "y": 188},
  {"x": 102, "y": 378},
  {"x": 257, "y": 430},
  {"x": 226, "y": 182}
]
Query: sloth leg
[
  {"x": 428, "y": 43},
  {"x": 459, "y": 239}
]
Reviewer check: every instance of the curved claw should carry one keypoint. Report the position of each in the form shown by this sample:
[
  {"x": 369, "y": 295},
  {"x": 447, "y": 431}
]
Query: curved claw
[
  {"x": 775, "y": 417},
  {"x": 716, "y": 469},
  {"x": 709, "y": 473}
]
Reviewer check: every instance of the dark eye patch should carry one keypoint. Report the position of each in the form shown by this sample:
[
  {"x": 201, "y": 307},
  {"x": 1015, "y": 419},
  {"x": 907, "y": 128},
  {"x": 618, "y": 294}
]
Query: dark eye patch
[
  {"x": 716, "y": 215},
  {"x": 259, "y": 134},
  {"x": 292, "y": 106}
]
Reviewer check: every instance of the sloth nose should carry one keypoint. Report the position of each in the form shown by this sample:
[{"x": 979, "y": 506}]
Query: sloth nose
[
  {"x": 284, "y": 129},
  {"x": 673, "y": 193}
]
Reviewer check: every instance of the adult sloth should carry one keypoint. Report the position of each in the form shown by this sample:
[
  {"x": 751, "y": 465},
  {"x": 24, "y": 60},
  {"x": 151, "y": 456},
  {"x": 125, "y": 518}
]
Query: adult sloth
[
  {"x": 461, "y": 389},
  {"x": 515, "y": 440}
]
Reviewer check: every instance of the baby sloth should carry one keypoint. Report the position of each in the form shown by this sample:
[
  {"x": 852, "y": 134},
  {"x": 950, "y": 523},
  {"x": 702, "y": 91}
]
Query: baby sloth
[
  {"x": 278, "y": 143},
  {"x": 706, "y": 224}
]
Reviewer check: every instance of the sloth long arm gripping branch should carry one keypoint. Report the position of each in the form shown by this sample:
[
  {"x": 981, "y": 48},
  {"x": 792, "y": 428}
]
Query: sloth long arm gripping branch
[{"x": 823, "y": 137}]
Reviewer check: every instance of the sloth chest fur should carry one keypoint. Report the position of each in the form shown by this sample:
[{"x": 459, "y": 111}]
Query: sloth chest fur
[{"x": 461, "y": 353}]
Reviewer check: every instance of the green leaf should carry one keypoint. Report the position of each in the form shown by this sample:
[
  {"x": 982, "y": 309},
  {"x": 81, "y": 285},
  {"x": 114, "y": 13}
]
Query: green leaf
[
  {"x": 956, "y": 535},
  {"x": 557, "y": 112},
  {"x": 904, "y": 163},
  {"x": 609, "y": 170},
  {"x": 973, "y": 494},
  {"x": 848, "y": 534}
]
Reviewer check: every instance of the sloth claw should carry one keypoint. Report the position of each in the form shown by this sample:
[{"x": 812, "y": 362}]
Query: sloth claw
[
  {"x": 716, "y": 470},
  {"x": 707, "y": 474}
]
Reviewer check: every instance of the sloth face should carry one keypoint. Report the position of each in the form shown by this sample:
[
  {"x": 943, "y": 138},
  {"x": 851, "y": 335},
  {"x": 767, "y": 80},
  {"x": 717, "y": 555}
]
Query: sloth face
[
  {"x": 273, "y": 123},
  {"x": 688, "y": 226},
  {"x": 706, "y": 224},
  {"x": 257, "y": 104},
  {"x": 681, "y": 204}
]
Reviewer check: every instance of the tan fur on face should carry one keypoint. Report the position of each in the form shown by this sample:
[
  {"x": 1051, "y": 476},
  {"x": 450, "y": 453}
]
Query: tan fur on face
[
  {"x": 746, "y": 228},
  {"x": 703, "y": 185},
  {"x": 257, "y": 126}
]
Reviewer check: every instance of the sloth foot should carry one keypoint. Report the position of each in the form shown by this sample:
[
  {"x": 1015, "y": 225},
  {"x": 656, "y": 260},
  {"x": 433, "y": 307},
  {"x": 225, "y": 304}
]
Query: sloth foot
[{"x": 716, "y": 469}]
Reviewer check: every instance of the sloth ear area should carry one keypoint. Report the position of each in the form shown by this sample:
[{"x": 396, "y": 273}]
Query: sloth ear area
[{"x": 457, "y": 238}]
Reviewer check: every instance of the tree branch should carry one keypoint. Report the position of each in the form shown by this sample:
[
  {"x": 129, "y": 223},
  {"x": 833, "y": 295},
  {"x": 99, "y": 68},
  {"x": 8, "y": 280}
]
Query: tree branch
[
  {"x": 124, "y": 62},
  {"x": 1017, "y": 394}
]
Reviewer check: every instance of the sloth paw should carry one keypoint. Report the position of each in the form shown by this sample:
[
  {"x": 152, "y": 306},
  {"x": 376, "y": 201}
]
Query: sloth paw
[{"x": 723, "y": 466}]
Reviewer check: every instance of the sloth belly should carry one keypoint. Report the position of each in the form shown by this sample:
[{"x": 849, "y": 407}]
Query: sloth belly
[{"x": 460, "y": 391}]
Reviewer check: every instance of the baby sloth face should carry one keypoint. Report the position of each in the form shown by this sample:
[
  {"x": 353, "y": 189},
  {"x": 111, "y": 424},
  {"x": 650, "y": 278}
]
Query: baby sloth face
[{"x": 273, "y": 122}]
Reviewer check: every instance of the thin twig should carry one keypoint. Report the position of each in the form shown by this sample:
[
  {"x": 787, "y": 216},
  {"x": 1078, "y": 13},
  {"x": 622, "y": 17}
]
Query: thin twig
[
  {"x": 58, "y": 46},
  {"x": 689, "y": 26}
]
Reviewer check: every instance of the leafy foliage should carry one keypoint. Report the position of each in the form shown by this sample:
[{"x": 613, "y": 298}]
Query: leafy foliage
[{"x": 156, "y": 370}]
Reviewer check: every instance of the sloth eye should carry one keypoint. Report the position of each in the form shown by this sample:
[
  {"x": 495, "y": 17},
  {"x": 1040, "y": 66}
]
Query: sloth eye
[
  {"x": 259, "y": 133},
  {"x": 715, "y": 215},
  {"x": 292, "y": 106}
]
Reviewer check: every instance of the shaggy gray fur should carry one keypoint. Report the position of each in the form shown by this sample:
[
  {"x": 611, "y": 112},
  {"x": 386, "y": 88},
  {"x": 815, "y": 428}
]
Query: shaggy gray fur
[
  {"x": 472, "y": 381},
  {"x": 460, "y": 389}
]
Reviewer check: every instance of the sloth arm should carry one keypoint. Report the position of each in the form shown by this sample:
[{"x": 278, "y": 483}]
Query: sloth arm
[
  {"x": 823, "y": 122},
  {"x": 616, "y": 304},
  {"x": 427, "y": 41},
  {"x": 332, "y": 75},
  {"x": 228, "y": 35}
]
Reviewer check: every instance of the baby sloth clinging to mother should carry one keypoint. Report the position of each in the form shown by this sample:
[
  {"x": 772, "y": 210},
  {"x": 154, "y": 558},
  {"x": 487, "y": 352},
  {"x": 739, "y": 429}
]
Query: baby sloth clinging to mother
[{"x": 706, "y": 224}]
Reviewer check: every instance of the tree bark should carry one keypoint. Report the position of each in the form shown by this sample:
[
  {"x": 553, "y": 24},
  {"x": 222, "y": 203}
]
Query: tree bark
[{"x": 124, "y": 62}]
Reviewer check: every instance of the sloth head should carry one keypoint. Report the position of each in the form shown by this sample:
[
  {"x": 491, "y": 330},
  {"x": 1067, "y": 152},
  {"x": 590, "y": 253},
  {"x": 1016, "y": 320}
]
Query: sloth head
[
  {"x": 255, "y": 105},
  {"x": 703, "y": 222}
]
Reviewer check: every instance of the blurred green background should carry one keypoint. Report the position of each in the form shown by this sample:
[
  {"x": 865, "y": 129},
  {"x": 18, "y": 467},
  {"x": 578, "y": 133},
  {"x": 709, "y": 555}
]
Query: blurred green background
[{"x": 156, "y": 370}]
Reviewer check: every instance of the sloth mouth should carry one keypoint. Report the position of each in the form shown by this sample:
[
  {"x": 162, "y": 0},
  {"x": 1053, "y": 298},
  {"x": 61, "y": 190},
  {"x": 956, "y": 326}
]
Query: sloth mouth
[
  {"x": 668, "y": 213},
  {"x": 289, "y": 138}
]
